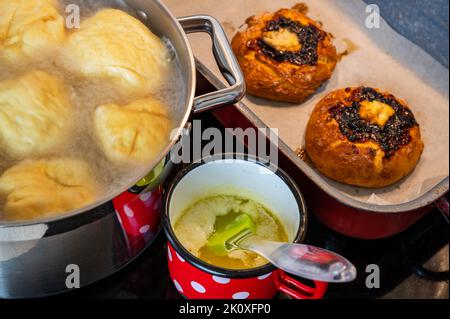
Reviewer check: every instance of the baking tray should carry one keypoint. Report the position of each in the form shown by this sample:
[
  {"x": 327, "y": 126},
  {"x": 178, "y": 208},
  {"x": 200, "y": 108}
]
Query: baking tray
[
  {"x": 426, "y": 200},
  {"x": 261, "y": 113}
]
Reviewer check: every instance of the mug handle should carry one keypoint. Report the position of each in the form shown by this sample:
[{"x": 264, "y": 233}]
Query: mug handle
[
  {"x": 298, "y": 290},
  {"x": 226, "y": 61}
]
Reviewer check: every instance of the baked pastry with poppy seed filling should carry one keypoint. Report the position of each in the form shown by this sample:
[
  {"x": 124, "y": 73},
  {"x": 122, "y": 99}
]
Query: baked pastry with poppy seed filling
[
  {"x": 364, "y": 137},
  {"x": 285, "y": 56}
]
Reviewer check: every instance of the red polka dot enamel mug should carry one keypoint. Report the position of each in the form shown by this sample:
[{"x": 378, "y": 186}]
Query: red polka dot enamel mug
[{"x": 196, "y": 279}]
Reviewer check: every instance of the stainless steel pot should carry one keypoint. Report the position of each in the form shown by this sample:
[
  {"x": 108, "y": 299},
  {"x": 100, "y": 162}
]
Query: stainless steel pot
[{"x": 44, "y": 257}]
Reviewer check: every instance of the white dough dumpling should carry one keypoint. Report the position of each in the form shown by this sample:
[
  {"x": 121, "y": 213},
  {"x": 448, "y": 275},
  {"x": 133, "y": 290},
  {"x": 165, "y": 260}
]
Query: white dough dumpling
[
  {"x": 134, "y": 133},
  {"x": 34, "y": 114},
  {"x": 45, "y": 188},
  {"x": 29, "y": 29},
  {"x": 115, "y": 46}
]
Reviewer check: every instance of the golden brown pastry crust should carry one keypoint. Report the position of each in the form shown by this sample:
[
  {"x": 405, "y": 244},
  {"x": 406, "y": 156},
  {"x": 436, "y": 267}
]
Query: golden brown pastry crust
[
  {"x": 366, "y": 162},
  {"x": 283, "y": 80}
]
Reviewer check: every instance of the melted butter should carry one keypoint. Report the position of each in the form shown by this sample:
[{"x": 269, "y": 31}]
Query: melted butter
[
  {"x": 351, "y": 47},
  {"x": 210, "y": 214},
  {"x": 240, "y": 259},
  {"x": 376, "y": 112}
]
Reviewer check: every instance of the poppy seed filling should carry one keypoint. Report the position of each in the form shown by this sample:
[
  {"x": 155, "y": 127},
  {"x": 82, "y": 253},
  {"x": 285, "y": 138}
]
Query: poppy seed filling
[
  {"x": 309, "y": 37},
  {"x": 391, "y": 137}
]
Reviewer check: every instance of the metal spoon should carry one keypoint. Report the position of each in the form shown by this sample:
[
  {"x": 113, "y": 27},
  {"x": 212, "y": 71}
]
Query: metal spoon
[{"x": 298, "y": 259}]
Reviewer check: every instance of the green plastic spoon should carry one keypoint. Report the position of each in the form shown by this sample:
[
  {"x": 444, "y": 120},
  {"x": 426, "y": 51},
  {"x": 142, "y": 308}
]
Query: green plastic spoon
[{"x": 302, "y": 260}]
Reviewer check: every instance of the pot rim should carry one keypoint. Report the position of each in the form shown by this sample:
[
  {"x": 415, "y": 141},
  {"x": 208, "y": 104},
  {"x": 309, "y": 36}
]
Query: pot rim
[
  {"x": 219, "y": 271},
  {"x": 189, "y": 102}
]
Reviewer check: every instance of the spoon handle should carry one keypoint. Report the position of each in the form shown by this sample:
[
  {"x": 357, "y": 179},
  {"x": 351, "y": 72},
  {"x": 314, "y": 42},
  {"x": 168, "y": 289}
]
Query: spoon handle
[{"x": 302, "y": 260}]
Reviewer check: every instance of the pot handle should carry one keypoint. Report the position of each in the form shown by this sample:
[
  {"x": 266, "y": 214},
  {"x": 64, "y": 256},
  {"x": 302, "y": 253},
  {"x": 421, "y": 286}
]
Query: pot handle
[
  {"x": 226, "y": 61},
  {"x": 298, "y": 290}
]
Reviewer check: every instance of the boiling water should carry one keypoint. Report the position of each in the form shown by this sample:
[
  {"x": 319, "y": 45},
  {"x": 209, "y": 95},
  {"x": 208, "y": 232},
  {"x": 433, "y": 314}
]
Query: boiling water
[{"x": 86, "y": 95}]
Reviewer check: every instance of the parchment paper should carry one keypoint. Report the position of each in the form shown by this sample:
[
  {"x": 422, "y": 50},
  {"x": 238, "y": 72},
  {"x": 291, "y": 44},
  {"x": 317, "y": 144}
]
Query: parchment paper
[{"x": 384, "y": 59}]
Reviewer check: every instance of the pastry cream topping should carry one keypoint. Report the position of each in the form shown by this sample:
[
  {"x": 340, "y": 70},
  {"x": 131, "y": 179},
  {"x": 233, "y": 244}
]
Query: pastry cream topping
[
  {"x": 282, "y": 40},
  {"x": 376, "y": 112}
]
